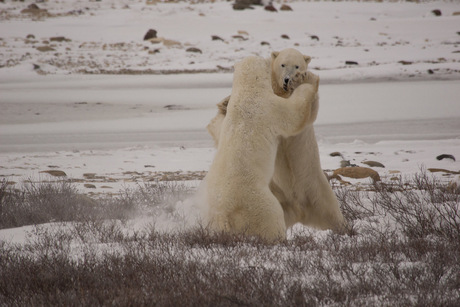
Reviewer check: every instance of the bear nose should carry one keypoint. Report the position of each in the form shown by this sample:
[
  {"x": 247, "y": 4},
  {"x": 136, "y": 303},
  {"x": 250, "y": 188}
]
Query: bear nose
[{"x": 286, "y": 80}]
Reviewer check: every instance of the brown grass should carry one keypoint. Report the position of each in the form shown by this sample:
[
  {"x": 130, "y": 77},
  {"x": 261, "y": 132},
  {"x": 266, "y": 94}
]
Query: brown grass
[{"x": 403, "y": 251}]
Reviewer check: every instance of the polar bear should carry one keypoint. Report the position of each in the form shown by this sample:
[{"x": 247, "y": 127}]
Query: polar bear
[
  {"x": 238, "y": 194},
  {"x": 289, "y": 70},
  {"x": 298, "y": 181}
]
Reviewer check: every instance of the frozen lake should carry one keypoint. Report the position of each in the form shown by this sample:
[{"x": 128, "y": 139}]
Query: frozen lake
[{"x": 109, "y": 112}]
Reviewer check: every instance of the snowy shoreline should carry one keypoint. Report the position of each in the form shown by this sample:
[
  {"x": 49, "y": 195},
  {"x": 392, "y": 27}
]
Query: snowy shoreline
[{"x": 389, "y": 81}]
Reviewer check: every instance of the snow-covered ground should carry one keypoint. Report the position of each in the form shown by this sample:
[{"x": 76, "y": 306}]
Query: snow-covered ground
[
  {"x": 83, "y": 95},
  {"x": 103, "y": 101},
  {"x": 387, "y": 40}
]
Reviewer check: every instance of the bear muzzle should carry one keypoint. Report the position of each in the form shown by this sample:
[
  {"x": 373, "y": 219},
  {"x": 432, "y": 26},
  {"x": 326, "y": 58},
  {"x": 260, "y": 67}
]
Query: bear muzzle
[{"x": 286, "y": 81}]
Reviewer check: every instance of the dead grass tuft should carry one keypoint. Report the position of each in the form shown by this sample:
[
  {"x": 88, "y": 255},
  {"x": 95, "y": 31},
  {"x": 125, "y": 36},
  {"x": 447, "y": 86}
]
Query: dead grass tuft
[{"x": 404, "y": 251}]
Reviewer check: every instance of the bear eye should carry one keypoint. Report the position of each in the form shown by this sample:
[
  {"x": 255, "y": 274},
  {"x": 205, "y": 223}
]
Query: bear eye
[
  {"x": 297, "y": 67},
  {"x": 282, "y": 65}
]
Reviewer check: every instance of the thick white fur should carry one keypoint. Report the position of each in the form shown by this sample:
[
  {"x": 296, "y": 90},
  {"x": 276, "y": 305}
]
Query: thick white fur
[
  {"x": 238, "y": 192},
  {"x": 289, "y": 70},
  {"x": 298, "y": 181}
]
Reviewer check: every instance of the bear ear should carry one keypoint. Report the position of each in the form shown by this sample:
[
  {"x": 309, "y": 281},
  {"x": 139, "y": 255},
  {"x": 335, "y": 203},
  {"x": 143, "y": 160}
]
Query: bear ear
[
  {"x": 307, "y": 59},
  {"x": 275, "y": 54}
]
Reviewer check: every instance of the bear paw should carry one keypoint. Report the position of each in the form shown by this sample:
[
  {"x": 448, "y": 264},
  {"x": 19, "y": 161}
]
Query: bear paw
[{"x": 306, "y": 77}]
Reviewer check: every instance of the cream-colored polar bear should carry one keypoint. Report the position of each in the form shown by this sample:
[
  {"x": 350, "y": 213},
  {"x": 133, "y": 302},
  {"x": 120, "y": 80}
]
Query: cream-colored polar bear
[
  {"x": 238, "y": 194},
  {"x": 298, "y": 182}
]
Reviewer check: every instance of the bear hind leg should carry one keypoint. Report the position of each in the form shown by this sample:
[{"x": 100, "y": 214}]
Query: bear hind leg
[{"x": 263, "y": 218}]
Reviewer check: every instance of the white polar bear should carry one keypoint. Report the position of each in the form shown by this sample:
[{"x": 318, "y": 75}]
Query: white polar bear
[
  {"x": 238, "y": 195},
  {"x": 298, "y": 182},
  {"x": 289, "y": 70}
]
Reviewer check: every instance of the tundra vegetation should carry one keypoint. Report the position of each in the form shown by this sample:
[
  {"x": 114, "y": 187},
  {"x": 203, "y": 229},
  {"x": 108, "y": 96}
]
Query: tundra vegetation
[{"x": 402, "y": 249}]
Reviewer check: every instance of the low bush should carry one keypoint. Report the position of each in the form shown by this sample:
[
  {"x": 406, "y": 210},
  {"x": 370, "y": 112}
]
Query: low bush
[
  {"x": 403, "y": 251},
  {"x": 37, "y": 203}
]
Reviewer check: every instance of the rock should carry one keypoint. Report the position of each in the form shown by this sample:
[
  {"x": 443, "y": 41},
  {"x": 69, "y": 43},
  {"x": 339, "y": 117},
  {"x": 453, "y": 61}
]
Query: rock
[
  {"x": 456, "y": 14},
  {"x": 338, "y": 178},
  {"x": 154, "y": 51},
  {"x": 55, "y": 173},
  {"x": 314, "y": 37},
  {"x": 441, "y": 170},
  {"x": 351, "y": 63},
  {"x": 436, "y": 12},
  {"x": 59, "y": 39},
  {"x": 75, "y": 12},
  {"x": 156, "y": 40},
  {"x": 36, "y": 67},
  {"x": 222, "y": 68},
  {"x": 33, "y": 9},
  {"x": 245, "y": 4},
  {"x": 45, "y": 49},
  {"x": 250, "y": 2},
  {"x": 430, "y": 71},
  {"x": 216, "y": 38},
  {"x": 242, "y": 6},
  {"x": 373, "y": 164},
  {"x": 270, "y": 8},
  {"x": 175, "y": 107},
  {"x": 30, "y": 36},
  {"x": 150, "y": 34},
  {"x": 405, "y": 62},
  {"x": 90, "y": 175},
  {"x": 33, "y": 6},
  {"x": 335, "y": 154},
  {"x": 345, "y": 163},
  {"x": 264, "y": 43},
  {"x": 89, "y": 186},
  {"x": 445, "y": 156},
  {"x": 170, "y": 43},
  {"x": 240, "y": 37},
  {"x": 285, "y": 36},
  {"x": 193, "y": 49},
  {"x": 357, "y": 173},
  {"x": 285, "y": 7}
]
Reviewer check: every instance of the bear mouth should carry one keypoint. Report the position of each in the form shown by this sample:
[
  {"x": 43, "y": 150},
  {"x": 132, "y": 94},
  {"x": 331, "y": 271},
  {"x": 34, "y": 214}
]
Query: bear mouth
[{"x": 285, "y": 87}]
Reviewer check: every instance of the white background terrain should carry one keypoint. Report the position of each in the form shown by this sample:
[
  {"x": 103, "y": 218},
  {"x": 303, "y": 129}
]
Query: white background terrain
[
  {"x": 103, "y": 101},
  {"x": 89, "y": 108}
]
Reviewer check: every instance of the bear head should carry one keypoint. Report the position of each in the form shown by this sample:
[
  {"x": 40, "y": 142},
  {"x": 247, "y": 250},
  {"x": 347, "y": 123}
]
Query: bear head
[{"x": 289, "y": 67}]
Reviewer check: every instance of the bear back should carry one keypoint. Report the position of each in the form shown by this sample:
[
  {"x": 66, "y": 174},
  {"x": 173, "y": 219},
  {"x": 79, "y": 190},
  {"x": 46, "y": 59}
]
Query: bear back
[{"x": 252, "y": 74}]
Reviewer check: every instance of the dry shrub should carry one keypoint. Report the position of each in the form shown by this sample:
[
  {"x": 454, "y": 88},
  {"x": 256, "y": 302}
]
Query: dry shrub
[
  {"x": 404, "y": 252},
  {"x": 37, "y": 203},
  {"x": 60, "y": 201},
  {"x": 422, "y": 207}
]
